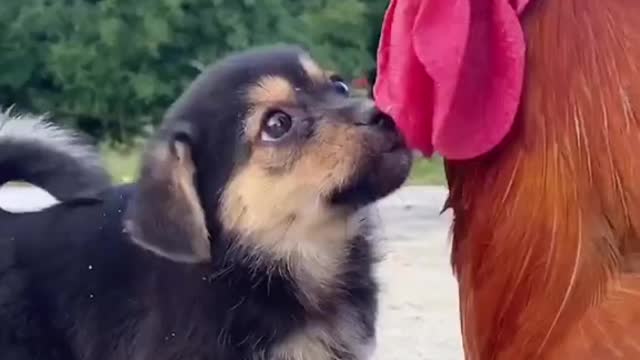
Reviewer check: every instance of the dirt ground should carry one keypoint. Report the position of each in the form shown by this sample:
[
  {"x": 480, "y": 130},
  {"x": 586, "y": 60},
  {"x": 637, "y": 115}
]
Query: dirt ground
[{"x": 419, "y": 308}]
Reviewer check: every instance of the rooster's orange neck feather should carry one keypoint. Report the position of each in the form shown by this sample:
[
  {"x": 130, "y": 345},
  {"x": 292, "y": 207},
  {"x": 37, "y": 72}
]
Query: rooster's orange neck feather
[{"x": 547, "y": 226}]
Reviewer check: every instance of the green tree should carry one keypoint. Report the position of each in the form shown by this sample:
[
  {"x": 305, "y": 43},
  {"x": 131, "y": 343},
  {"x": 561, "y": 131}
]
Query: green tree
[
  {"x": 112, "y": 67},
  {"x": 376, "y": 11},
  {"x": 338, "y": 33}
]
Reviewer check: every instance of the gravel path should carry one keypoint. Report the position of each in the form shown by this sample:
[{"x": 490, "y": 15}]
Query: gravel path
[{"x": 419, "y": 309}]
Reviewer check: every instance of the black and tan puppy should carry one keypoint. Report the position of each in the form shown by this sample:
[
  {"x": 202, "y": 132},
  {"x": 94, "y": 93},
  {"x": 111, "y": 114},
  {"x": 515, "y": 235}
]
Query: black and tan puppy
[{"x": 246, "y": 237}]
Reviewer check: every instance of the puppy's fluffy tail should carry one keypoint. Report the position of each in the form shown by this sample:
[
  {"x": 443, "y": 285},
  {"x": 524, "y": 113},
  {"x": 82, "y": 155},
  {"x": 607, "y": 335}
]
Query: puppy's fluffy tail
[{"x": 35, "y": 151}]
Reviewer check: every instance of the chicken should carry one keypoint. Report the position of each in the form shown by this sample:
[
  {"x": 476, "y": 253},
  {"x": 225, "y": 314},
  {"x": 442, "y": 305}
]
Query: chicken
[{"x": 535, "y": 106}]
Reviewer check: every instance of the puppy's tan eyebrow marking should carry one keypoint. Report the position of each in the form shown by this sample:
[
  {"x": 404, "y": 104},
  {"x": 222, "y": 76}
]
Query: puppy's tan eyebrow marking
[
  {"x": 313, "y": 70},
  {"x": 269, "y": 91},
  {"x": 272, "y": 89}
]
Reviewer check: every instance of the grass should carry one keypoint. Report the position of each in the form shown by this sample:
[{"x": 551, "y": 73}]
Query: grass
[
  {"x": 427, "y": 172},
  {"x": 123, "y": 164}
]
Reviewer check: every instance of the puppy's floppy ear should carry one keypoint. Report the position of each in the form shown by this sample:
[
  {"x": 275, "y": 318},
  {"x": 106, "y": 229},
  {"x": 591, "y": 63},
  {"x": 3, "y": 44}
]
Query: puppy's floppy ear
[{"x": 166, "y": 215}]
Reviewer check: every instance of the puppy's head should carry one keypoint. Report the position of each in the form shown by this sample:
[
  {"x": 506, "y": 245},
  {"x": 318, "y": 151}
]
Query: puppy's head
[{"x": 262, "y": 139}]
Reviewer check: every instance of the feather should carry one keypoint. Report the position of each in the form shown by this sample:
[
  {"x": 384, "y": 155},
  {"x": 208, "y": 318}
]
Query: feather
[
  {"x": 546, "y": 232},
  {"x": 562, "y": 282}
]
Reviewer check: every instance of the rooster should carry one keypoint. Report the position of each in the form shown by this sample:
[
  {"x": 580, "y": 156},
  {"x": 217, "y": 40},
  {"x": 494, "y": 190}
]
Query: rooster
[{"x": 535, "y": 105}]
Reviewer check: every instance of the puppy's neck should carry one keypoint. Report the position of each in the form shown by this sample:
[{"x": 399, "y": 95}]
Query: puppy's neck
[{"x": 309, "y": 242}]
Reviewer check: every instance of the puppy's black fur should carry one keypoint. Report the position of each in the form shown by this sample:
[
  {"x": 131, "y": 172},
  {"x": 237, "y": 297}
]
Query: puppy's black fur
[{"x": 185, "y": 264}]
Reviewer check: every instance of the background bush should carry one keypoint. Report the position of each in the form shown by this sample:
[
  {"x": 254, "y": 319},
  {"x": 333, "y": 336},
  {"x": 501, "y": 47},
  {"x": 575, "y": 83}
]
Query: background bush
[{"x": 111, "y": 67}]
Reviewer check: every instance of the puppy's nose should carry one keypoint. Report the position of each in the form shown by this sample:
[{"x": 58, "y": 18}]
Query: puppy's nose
[{"x": 375, "y": 117}]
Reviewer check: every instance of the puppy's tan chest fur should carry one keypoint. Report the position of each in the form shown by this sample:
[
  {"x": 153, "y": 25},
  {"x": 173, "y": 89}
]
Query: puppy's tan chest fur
[
  {"x": 288, "y": 224},
  {"x": 314, "y": 242}
]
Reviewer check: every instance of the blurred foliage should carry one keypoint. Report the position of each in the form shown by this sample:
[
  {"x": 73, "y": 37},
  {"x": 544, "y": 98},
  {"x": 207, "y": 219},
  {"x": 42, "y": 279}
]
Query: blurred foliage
[
  {"x": 376, "y": 16},
  {"x": 111, "y": 67}
]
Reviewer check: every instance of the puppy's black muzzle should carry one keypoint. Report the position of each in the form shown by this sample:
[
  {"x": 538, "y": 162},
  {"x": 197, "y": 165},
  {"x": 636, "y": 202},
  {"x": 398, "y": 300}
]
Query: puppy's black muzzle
[{"x": 388, "y": 160}]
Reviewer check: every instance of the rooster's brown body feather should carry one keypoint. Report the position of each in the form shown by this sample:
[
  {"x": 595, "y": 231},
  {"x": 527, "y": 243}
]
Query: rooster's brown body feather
[{"x": 546, "y": 237}]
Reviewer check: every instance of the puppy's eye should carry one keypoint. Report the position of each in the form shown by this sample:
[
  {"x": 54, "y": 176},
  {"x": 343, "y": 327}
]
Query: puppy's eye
[
  {"x": 276, "y": 125},
  {"x": 341, "y": 87}
]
